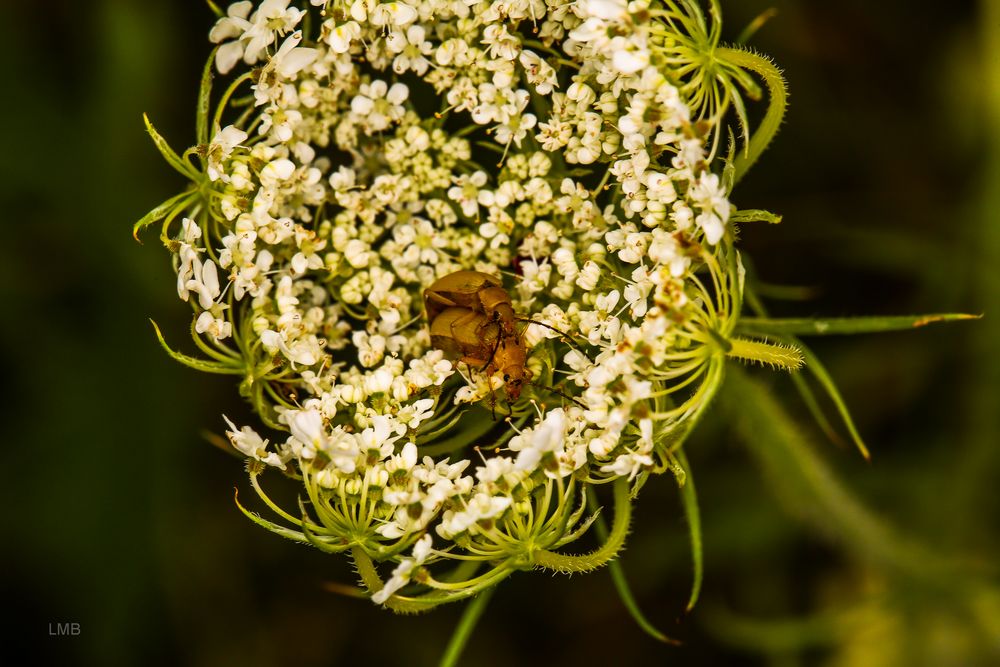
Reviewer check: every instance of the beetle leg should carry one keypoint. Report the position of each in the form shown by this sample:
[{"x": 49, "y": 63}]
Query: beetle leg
[
  {"x": 493, "y": 353},
  {"x": 471, "y": 362}
]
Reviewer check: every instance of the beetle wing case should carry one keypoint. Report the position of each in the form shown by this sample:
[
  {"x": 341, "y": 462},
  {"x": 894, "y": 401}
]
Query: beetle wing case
[
  {"x": 460, "y": 332},
  {"x": 459, "y": 289}
]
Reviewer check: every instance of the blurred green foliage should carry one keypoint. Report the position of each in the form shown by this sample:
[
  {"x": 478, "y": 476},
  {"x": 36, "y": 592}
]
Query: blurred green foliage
[{"x": 119, "y": 515}]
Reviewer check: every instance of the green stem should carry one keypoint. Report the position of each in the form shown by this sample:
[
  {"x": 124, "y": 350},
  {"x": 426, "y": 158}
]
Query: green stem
[
  {"x": 373, "y": 582},
  {"x": 465, "y": 627},
  {"x": 222, "y": 368},
  {"x": 809, "y": 488},
  {"x": 599, "y": 557},
  {"x": 846, "y": 325},
  {"x": 778, "y": 93}
]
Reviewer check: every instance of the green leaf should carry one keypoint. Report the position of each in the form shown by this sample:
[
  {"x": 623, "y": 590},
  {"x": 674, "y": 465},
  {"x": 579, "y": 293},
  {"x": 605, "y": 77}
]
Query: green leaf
[
  {"x": 756, "y": 25},
  {"x": 621, "y": 582},
  {"x": 744, "y": 121},
  {"x": 490, "y": 145},
  {"x": 728, "y": 170},
  {"x": 818, "y": 370},
  {"x": 475, "y": 425},
  {"x": 777, "y": 89},
  {"x": 689, "y": 498},
  {"x": 215, "y": 9},
  {"x": 755, "y": 215},
  {"x": 205, "y": 99},
  {"x": 197, "y": 364},
  {"x": 846, "y": 325},
  {"x": 812, "y": 403},
  {"x": 288, "y": 533},
  {"x": 161, "y": 211},
  {"x": 174, "y": 160}
]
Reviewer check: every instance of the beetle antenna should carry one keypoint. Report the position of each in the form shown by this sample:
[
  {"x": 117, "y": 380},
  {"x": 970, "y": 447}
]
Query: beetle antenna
[
  {"x": 566, "y": 336},
  {"x": 556, "y": 391}
]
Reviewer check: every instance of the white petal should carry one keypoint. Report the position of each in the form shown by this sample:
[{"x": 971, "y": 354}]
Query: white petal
[
  {"x": 629, "y": 62},
  {"x": 277, "y": 171},
  {"x": 398, "y": 93},
  {"x": 227, "y": 56},
  {"x": 362, "y": 105},
  {"x": 296, "y": 60}
]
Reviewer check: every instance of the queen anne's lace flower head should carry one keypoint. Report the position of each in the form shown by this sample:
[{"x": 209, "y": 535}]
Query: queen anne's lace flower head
[{"x": 375, "y": 147}]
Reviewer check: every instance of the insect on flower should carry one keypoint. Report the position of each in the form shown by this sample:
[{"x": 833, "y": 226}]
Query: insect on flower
[{"x": 472, "y": 319}]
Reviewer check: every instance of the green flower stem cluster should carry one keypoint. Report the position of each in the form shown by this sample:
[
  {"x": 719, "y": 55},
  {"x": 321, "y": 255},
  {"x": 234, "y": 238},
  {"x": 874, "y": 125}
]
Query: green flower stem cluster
[{"x": 351, "y": 166}]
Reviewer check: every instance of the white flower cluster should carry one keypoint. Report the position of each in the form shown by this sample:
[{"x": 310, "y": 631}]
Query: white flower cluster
[{"x": 363, "y": 167}]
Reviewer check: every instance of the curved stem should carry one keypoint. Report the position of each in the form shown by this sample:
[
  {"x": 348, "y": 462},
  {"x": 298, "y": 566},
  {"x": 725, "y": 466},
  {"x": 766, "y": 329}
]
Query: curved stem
[
  {"x": 689, "y": 497},
  {"x": 778, "y": 93},
  {"x": 599, "y": 557},
  {"x": 809, "y": 488},
  {"x": 621, "y": 581},
  {"x": 833, "y": 326},
  {"x": 373, "y": 582},
  {"x": 465, "y": 627}
]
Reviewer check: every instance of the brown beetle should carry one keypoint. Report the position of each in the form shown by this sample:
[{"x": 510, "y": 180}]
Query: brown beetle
[
  {"x": 471, "y": 319},
  {"x": 474, "y": 290}
]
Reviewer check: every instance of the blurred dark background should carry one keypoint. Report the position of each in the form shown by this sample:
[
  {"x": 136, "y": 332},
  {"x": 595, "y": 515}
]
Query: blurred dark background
[{"x": 119, "y": 516}]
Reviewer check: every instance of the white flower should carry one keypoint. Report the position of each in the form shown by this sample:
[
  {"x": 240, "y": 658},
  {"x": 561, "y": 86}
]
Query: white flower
[
  {"x": 271, "y": 18},
  {"x": 378, "y": 105},
  {"x": 539, "y": 73},
  {"x": 358, "y": 191},
  {"x": 221, "y": 147},
  {"x": 393, "y": 14},
  {"x": 292, "y": 58},
  {"x": 248, "y": 442},
  {"x": 289, "y": 60},
  {"x": 606, "y": 10},
  {"x": 404, "y": 571},
  {"x": 201, "y": 278},
  {"x": 305, "y": 351},
  {"x": 628, "y": 57},
  {"x": 709, "y": 196},
  {"x": 628, "y": 464},
  {"x": 416, "y": 412},
  {"x": 380, "y": 436},
  {"x": 341, "y": 37},
  {"x": 546, "y": 437},
  {"x": 252, "y": 35},
  {"x": 234, "y": 24},
  {"x": 308, "y": 429},
  {"x": 467, "y": 193},
  {"x": 412, "y": 49},
  {"x": 480, "y": 507},
  {"x": 217, "y": 327},
  {"x": 277, "y": 172}
]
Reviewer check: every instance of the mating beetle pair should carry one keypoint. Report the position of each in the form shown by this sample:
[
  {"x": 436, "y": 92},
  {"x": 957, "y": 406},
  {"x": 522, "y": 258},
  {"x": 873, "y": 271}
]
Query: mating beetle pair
[{"x": 472, "y": 319}]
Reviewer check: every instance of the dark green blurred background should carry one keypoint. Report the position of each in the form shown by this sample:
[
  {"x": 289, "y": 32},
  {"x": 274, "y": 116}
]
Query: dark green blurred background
[{"x": 119, "y": 516}]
